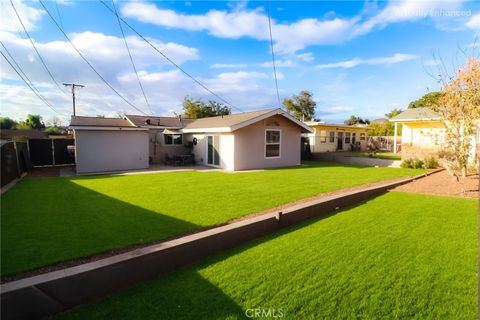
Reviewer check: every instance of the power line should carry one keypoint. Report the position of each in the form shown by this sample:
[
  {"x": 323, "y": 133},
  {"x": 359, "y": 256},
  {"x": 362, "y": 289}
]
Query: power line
[
  {"x": 35, "y": 47},
  {"x": 130, "y": 55},
  {"x": 87, "y": 62},
  {"x": 28, "y": 84},
  {"x": 59, "y": 16},
  {"x": 170, "y": 60},
  {"x": 273, "y": 54}
]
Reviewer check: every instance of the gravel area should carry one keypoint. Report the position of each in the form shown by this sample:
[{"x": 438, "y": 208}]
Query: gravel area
[{"x": 441, "y": 183}]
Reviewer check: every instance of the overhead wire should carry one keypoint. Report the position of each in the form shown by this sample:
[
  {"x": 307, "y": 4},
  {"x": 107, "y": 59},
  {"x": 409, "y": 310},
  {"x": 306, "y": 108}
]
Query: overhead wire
[
  {"x": 88, "y": 62},
  {"x": 170, "y": 60},
  {"x": 35, "y": 91},
  {"x": 131, "y": 58},
  {"x": 35, "y": 48},
  {"x": 273, "y": 53}
]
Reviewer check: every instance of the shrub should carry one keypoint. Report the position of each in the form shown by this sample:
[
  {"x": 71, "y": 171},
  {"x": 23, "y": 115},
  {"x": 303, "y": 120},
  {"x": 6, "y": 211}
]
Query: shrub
[
  {"x": 417, "y": 164},
  {"x": 407, "y": 163},
  {"x": 430, "y": 163}
]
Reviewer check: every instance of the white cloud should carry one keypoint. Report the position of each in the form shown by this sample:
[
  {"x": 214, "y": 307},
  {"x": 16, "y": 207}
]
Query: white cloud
[
  {"x": 292, "y": 37},
  {"x": 474, "y": 22},
  {"x": 242, "y": 22},
  {"x": 396, "y": 58},
  {"x": 282, "y": 63},
  {"x": 227, "y": 65},
  {"x": 9, "y": 21},
  {"x": 408, "y": 10}
]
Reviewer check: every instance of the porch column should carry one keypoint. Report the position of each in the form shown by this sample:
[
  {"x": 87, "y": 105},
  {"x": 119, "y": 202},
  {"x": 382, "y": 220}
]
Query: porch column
[{"x": 395, "y": 137}]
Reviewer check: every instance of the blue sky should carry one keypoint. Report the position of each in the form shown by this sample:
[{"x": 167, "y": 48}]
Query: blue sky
[{"x": 356, "y": 57}]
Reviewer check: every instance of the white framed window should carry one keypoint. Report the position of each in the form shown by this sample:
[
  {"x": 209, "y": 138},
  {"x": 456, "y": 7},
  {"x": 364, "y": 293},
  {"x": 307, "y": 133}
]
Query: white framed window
[
  {"x": 347, "y": 137},
  {"x": 171, "y": 139},
  {"x": 323, "y": 136},
  {"x": 331, "y": 135},
  {"x": 362, "y": 136},
  {"x": 272, "y": 143}
]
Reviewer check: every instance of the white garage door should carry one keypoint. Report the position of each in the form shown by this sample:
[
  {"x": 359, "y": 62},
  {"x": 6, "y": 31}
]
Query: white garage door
[{"x": 100, "y": 151}]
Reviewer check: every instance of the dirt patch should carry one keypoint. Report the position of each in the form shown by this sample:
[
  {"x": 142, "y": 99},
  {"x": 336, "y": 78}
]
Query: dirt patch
[
  {"x": 43, "y": 172},
  {"x": 441, "y": 183}
]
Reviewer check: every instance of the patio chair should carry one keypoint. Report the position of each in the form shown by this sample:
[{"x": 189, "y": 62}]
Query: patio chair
[{"x": 168, "y": 160}]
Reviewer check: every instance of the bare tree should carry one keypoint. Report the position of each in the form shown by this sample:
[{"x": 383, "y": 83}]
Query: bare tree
[{"x": 459, "y": 107}]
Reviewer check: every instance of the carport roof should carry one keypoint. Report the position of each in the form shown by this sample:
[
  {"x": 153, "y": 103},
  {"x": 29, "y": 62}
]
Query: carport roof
[{"x": 157, "y": 122}]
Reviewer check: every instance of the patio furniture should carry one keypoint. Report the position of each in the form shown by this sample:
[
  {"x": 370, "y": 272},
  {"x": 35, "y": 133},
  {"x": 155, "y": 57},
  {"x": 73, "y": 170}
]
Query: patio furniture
[
  {"x": 175, "y": 161},
  {"x": 184, "y": 159}
]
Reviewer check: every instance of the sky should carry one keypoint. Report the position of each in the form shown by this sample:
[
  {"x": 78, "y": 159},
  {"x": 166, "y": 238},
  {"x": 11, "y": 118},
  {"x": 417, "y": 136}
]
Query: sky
[{"x": 359, "y": 58}]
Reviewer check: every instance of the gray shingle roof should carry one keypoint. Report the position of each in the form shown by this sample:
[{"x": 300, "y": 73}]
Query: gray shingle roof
[
  {"x": 416, "y": 114},
  {"x": 226, "y": 121},
  {"x": 162, "y": 122},
  {"x": 77, "y": 121}
]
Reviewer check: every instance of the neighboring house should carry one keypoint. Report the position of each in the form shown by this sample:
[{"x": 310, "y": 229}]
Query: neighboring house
[
  {"x": 422, "y": 133},
  {"x": 336, "y": 137},
  {"x": 109, "y": 144},
  {"x": 250, "y": 140}
]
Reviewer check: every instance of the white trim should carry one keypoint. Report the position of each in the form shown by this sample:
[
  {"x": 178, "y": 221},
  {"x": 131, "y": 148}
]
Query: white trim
[
  {"x": 265, "y": 144},
  {"x": 126, "y": 118},
  {"x": 414, "y": 120},
  {"x": 93, "y": 128},
  {"x": 207, "y": 130}
]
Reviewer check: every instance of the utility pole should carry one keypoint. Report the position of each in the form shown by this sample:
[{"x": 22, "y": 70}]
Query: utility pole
[{"x": 73, "y": 85}]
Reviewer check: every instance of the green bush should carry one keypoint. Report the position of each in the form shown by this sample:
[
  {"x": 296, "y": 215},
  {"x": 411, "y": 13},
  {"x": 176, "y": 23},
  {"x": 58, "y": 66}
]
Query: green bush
[
  {"x": 417, "y": 164},
  {"x": 408, "y": 163},
  {"x": 412, "y": 163},
  {"x": 430, "y": 163}
]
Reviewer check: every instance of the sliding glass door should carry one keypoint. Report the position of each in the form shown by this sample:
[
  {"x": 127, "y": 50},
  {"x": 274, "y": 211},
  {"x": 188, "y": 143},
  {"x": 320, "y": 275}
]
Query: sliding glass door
[{"x": 213, "y": 150}]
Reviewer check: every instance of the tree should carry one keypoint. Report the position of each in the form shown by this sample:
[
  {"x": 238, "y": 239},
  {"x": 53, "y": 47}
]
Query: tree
[
  {"x": 458, "y": 106},
  {"x": 33, "y": 121},
  {"x": 54, "y": 122},
  {"x": 393, "y": 113},
  {"x": 427, "y": 101},
  {"x": 7, "y": 123},
  {"x": 196, "y": 109},
  {"x": 301, "y": 106},
  {"x": 353, "y": 120},
  {"x": 53, "y": 130}
]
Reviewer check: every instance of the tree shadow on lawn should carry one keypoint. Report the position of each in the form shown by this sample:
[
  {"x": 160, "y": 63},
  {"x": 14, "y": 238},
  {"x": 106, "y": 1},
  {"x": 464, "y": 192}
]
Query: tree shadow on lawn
[
  {"x": 49, "y": 221},
  {"x": 185, "y": 293}
]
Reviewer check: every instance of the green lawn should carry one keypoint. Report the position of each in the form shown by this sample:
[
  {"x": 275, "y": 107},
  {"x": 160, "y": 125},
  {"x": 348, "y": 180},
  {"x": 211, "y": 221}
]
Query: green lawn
[
  {"x": 378, "y": 155},
  {"x": 46, "y": 221},
  {"x": 398, "y": 256}
]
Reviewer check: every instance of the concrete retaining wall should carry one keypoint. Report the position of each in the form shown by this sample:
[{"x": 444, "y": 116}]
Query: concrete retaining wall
[
  {"x": 50, "y": 293},
  {"x": 331, "y": 157}
]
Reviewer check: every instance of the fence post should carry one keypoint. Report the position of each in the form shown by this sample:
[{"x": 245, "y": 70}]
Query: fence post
[
  {"x": 53, "y": 152},
  {"x": 19, "y": 174}
]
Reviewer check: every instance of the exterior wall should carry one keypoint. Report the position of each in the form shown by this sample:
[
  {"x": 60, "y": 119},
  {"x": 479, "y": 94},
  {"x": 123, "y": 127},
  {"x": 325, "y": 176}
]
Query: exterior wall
[
  {"x": 158, "y": 149},
  {"x": 250, "y": 145},
  {"x": 421, "y": 139},
  {"x": 100, "y": 151},
  {"x": 316, "y": 146},
  {"x": 226, "y": 152}
]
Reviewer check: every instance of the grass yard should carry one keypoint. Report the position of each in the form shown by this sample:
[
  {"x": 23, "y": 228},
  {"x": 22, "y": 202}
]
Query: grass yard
[
  {"x": 398, "y": 256},
  {"x": 46, "y": 221},
  {"x": 377, "y": 155}
]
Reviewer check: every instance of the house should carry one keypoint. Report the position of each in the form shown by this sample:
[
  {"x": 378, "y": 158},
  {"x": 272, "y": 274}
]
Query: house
[
  {"x": 250, "y": 140},
  {"x": 422, "y": 133},
  {"x": 336, "y": 137}
]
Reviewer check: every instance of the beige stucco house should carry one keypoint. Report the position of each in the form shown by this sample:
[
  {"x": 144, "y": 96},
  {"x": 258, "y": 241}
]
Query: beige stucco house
[
  {"x": 250, "y": 140},
  {"x": 336, "y": 137},
  {"x": 423, "y": 133}
]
